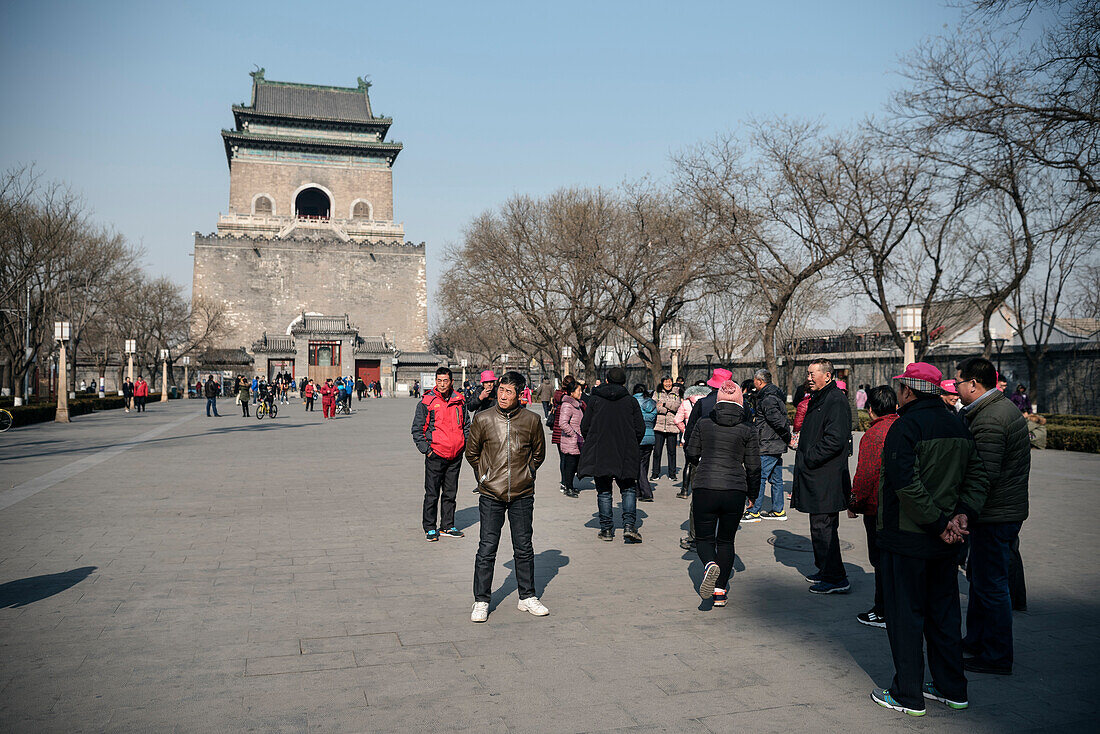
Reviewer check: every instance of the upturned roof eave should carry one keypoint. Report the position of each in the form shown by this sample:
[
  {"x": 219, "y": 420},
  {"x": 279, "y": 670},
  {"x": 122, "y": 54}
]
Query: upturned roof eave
[
  {"x": 390, "y": 149},
  {"x": 248, "y": 111}
]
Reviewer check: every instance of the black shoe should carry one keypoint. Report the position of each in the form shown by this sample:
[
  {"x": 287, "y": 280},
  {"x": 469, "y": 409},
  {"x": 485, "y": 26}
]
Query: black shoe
[
  {"x": 654, "y": 478},
  {"x": 672, "y": 477},
  {"x": 682, "y": 494},
  {"x": 977, "y": 665},
  {"x": 645, "y": 499},
  {"x": 687, "y": 544},
  {"x": 631, "y": 535},
  {"x": 872, "y": 619},
  {"x": 606, "y": 534},
  {"x": 453, "y": 533}
]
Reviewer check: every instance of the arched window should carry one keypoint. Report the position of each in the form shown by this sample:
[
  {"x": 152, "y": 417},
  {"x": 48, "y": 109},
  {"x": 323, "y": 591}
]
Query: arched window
[
  {"x": 263, "y": 205},
  {"x": 361, "y": 210},
  {"x": 312, "y": 202}
]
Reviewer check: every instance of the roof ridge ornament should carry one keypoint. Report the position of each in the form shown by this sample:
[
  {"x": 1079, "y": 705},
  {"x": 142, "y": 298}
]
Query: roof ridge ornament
[
  {"x": 364, "y": 82},
  {"x": 258, "y": 74}
]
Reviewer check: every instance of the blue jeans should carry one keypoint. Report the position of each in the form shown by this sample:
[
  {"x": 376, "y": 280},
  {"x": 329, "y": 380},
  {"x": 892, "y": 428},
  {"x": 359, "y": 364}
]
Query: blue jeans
[
  {"x": 604, "y": 501},
  {"x": 771, "y": 467},
  {"x": 989, "y": 611},
  {"x": 211, "y": 404}
]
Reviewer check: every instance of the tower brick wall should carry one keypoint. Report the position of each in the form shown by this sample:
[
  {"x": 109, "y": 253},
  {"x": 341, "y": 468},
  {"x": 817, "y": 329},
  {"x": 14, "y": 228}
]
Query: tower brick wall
[{"x": 345, "y": 183}]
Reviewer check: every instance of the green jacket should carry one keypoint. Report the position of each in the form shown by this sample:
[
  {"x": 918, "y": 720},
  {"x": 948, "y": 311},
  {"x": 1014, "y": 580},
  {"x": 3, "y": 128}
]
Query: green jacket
[
  {"x": 931, "y": 472},
  {"x": 1000, "y": 431}
]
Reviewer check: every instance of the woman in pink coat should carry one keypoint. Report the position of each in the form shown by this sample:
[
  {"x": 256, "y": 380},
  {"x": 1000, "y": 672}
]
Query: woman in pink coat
[{"x": 572, "y": 410}]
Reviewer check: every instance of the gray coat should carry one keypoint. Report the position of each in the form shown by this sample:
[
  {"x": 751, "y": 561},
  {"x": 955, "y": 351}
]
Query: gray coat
[
  {"x": 822, "y": 481},
  {"x": 1000, "y": 432}
]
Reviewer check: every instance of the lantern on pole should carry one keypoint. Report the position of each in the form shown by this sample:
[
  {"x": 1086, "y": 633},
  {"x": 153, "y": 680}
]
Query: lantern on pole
[
  {"x": 908, "y": 319},
  {"x": 61, "y": 334},
  {"x": 675, "y": 344},
  {"x": 130, "y": 348},
  {"x": 164, "y": 376}
]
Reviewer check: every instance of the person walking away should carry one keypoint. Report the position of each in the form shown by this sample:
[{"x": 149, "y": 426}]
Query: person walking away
[
  {"x": 665, "y": 433},
  {"x": 932, "y": 488},
  {"x": 210, "y": 390},
  {"x": 613, "y": 429},
  {"x": 128, "y": 393},
  {"x": 328, "y": 400},
  {"x": 244, "y": 395},
  {"x": 726, "y": 447},
  {"x": 439, "y": 430},
  {"x": 691, "y": 395},
  {"x": 645, "y": 448},
  {"x": 770, "y": 420},
  {"x": 255, "y": 389},
  {"x": 568, "y": 385},
  {"x": 702, "y": 407},
  {"x": 545, "y": 395},
  {"x": 882, "y": 403},
  {"x": 506, "y": 447},
  {"x": 995, "y": 568},
  {"x": 525, "y": 397},
  {"x": 822, "y": 481},
  {"x": 309, "y": 392},
  {"x": 861, "y": 397},
  {"x": 569, "y": 448}
]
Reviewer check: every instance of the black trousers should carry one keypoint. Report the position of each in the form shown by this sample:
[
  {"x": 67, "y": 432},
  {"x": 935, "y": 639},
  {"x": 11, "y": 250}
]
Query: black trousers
[
  {"x": 139, "y": 401},
  {"x": 869, "y": 522},
  {"x": 440, "y": 478},
  {"x": 244, "y": 407},
  {"x": 826, "y": 540},
  {"x": 717, "y": 515},
  {"x": 309, "y": 403},
  {"x": 645, "y": 489},
  {"x": 569, "y": 464},
  {"x": 1016, "y": 585},
  {"x": 921, "y": 597},
  {"x": 520, "y": 513},
  {"x": 668, "y": 440}
]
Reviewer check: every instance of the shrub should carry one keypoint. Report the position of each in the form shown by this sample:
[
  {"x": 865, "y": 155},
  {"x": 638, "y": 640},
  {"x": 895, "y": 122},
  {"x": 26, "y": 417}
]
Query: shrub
[
  {"x": 25, "y": 415},
  {"x": 1074, "y": 438}
]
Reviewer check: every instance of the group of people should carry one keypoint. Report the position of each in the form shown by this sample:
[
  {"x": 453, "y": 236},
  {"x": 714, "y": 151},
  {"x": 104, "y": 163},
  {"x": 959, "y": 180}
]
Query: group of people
[
  {"x": 939, "y": 487},
  {"x": 135, "y": 394}
]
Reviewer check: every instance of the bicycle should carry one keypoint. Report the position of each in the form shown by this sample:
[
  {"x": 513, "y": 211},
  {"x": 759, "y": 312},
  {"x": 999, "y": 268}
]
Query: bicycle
[
  {"x": 6, "y": 420},
  {"x": 265, "y": 408}
]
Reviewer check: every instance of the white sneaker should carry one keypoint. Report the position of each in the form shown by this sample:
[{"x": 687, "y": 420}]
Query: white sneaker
[
  {"x": 533, "y": 605},
  {"x": 480, "y": 611}
]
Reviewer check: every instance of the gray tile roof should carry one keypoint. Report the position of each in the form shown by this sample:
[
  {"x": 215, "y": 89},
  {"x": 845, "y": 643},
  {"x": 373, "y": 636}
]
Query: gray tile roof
[{"x": 325, "y": 103}]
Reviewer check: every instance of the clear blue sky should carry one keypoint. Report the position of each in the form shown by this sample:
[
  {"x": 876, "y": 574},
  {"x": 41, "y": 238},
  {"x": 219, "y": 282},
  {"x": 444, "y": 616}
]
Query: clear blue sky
[{"x": 124, "y": 101}]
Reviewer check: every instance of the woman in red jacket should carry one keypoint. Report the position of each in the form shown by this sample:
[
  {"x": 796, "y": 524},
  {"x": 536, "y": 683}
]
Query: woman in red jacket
[
  {"x": 309, "y": 393},
  {"x": 141, "y": 393},
  {"x": 328, "y": 399}
]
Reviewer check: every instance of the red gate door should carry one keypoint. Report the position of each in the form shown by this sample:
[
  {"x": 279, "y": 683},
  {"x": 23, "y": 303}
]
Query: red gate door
[{"x": 368, "y": 370}]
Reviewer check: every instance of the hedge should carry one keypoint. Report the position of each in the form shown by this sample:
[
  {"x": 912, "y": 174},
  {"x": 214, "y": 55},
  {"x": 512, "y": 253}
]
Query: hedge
[
  {"x": 1074, "y": 438},
  {"x": 25, "y": 415}
]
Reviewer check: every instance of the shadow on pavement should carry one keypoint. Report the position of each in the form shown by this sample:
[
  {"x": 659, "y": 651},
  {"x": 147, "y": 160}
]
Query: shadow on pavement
[
  {"x": 547, "y": 565},
  {"x": 36, "y": 588},
  {"x": 467, "y": 516},
  {"x": 616, "y": 517}
]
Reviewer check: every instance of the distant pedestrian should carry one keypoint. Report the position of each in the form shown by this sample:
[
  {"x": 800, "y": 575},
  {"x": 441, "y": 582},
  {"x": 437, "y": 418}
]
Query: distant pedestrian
[
  {"x": 309, "y": 392},
  {"x": 128, "y": 394},
  {"x": 933, "y": 485},
  {"x": 995, "y": 568},
  {"x": 568, "y": 386},
  {"x": 822, "y": 482},
  {"x": 141, "y": 393},
  {"x": 613, "y": 428},
  {"x": 882, "y": 403},
  {"x": 211, "y": 390},
  {"x": 861, "y": 397},
  {"x": 665, "y": 433},
  {"x": 328, "y": 400},
  {"x": 545, "y": 395},
  {"x": 244, "y": 392},
  {"x": 506, "y": 447},
  {"x": 1020, "y": 399},
  {"x": 569, "y": 448},
  {"x": 773, "y": 428},
  {"x": 645, "y": 448},
  {"x": 439, "y": 430},
  {"x": 255, "y": 389},
  {"x": 726, "y": 447}
]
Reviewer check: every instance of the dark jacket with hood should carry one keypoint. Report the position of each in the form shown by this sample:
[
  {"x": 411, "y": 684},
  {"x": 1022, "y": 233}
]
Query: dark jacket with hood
[
  {"x": 822, "y": 480},
  {"x": 771, "y": 421},
  {"x": 612, "y": 428},
  {"x": 727, "y": 447},
  {"x": 931, "y": 472}
]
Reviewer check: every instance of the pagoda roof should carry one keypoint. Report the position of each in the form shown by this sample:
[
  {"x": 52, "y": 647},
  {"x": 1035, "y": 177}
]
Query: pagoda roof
[
  {"x": 388, "y": 150},
  {"x": 311, "y": 101}
]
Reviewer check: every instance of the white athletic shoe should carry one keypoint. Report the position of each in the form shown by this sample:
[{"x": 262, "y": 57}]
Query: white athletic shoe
[
  {"x": 534, "y": 606},
  {"x": 480, "y": 611}
]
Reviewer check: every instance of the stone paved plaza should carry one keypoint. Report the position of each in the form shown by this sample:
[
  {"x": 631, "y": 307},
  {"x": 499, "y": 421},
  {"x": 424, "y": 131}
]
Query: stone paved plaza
[{"x": 169, "y": 572}]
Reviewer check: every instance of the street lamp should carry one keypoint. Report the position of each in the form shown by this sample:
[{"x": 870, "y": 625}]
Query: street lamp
[
  {"x": 999, "y": 342},
  {"x": 393, "y": 362},
  {"x": 709, "y": 358},
  {"x": 675, "y": 344},
  {"x": 131, "y": 347},
  {"x": 908, "y": 320},
  {"x": 186, "y": 362},
  {"x": 164, "y": 376},
  {"x": 465, "y": 363},
  {"x": 566, "y": 359},
  {"x": 61, "y": 334}
]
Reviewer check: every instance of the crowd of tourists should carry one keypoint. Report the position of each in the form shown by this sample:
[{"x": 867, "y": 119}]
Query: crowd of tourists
[
  {"x": 941, "y": 484},
  {"x": 335, "y": 394}
]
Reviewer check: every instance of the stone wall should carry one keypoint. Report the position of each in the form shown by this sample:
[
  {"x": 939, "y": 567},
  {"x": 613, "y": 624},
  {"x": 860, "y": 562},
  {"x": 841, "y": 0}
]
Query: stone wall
[
  {"x": 344, "y": 183},
  {"x": 266, "y": 284}
]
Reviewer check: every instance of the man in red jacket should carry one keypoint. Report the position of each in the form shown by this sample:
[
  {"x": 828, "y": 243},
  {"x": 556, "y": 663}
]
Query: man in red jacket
[
  {"x": 439, "y": 430},
  {"x": 882, "y": 404}
]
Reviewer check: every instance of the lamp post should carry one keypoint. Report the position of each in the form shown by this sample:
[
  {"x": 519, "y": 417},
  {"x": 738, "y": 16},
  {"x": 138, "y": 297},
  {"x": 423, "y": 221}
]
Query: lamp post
[
  {"x": 465, "y": 363},
  {"x": 909, "y": 324},
  {"x": 61, "y": 334},
  {"x": 566, "y": 360},
  {"x": 164, "y": 376},
  {"x": 186, "y": 362},
  {"x": 709, "y": 358},
  {"x": 393, "y": 363},
  {"x": 999, "y": 342},
  {"x": 675, "y": 344},
  {"x": 131, "y": 347}
]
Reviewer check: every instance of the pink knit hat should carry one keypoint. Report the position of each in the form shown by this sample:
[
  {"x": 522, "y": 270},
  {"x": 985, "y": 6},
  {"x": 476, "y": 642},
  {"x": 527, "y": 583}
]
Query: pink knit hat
[
  {"x": 730, "y": 392},
  {"x": 488, "y": 376}
]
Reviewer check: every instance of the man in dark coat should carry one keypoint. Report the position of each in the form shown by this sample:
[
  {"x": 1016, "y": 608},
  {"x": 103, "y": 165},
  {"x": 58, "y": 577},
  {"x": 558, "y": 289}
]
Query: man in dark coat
[
  {"x": 774, "y": 429},
  {"x": 612, "y": 428},
  {"x": 822, "y": 481}
]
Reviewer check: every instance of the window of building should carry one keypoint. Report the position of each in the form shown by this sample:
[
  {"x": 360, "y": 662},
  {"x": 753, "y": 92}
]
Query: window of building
[
  {"x": 263, "y": 205},
  {"x": 361, "y": 210},
  {"x": 312, "y": 203},
  {"x": 324, "y": 354}
]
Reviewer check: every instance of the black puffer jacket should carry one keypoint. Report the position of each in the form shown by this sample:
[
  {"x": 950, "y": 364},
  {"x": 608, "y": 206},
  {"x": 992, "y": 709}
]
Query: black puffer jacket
[
  {"x": 612, "y": 428},
  {"x": 771, "y": 421},
  {"x": 1000, "y": 432},
  {"x": 727, "y": 447}
]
